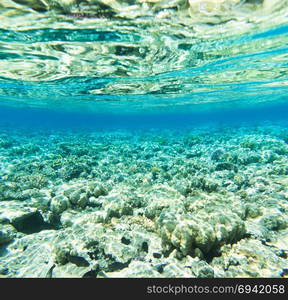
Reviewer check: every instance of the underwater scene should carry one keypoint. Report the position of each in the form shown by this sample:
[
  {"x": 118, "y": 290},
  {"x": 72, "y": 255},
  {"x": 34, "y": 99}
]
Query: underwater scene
[{"x": 143, "y": 138}]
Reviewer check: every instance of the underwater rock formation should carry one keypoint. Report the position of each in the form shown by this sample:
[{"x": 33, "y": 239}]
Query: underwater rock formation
[{"x": 147, "y": 207}]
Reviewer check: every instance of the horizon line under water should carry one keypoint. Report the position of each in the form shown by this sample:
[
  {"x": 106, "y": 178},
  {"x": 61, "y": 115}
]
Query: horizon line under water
[{"x": 39, "y": 118}]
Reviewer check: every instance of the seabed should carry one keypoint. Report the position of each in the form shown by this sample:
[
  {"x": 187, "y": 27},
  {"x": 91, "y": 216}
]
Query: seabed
[{"x": 198, "y": 202}]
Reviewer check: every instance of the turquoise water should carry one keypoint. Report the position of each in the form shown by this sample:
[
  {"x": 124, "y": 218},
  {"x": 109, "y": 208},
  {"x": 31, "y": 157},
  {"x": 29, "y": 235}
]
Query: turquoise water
[
  {"x": 71, "y": 60},
  {"x": 143, "y": 138}
]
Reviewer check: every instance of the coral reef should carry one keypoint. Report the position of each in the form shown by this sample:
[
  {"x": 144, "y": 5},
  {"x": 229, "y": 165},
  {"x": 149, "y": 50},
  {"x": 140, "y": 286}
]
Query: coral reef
[{"x": 196, "y": 202}]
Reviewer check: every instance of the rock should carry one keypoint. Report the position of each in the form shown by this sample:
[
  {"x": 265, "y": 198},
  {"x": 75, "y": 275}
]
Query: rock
[
  {"x": 164, "y": 198},
  {"x": 217, "y": 155},
  {"x": 29, "y": 256},
  {"x": 226, "y": 166},
  {"x": 250, "y": 258},
  {"x": 7, "y": 233},
  {"x": 117, "y": 207},
  {"x": 274, "y": 221},
  {"x": 136, "y": 269},
  {"x": 187, "y": 233},
  {"x": 206, "y": 272},
  {"x": 74, "y": 196},
  {"x": 70, "y": 270},
  {"x": 99, "y": 191},
  {"x": 59, "y": 204},
  {"x": 24, "y": 219}
]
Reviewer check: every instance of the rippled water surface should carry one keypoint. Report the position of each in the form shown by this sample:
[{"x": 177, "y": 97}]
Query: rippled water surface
[{"x": 142, "y": 55}]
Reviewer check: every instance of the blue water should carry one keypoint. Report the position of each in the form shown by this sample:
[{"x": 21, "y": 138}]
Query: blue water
[
  {"x": 132, "y": 121},
  {"x": 129, "y": 68},
  {"x": 44, "y": 119}
]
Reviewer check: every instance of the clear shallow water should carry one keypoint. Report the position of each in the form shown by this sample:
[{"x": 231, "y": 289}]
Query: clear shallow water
[
  {"x": 170, "y": 56},
  {"x": 143, "y": 138}
]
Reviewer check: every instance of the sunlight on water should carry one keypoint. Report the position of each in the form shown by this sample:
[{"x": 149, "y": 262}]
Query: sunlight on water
[{"x": 135, "y": 55}]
